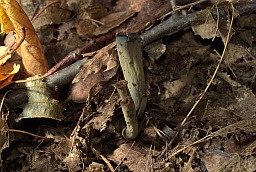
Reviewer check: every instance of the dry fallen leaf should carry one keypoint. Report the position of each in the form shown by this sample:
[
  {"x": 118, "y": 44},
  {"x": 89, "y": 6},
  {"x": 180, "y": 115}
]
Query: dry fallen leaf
[
  {"x": 13, "y": 18},
  {"x": 137, "y": 157},
  {"x": 7, "y": 72},
  {"x": 101, "y": 68},
  {"x": 106, "y": 111},
  {"x": 207, "y": 30},
  {"x": 126, "y": 16},
  {"x": 3, "y": 50}
]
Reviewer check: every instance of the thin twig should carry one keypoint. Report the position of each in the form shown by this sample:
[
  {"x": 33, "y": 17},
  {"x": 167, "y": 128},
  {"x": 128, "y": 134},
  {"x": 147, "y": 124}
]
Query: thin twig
[
  {"x": 73, "y": 56},
  {"x": 107, "y": 162},
  {"x": 179, "y": 22},
  {"x": 177, "y": 8},
  {"x": 228, "y": 129},
  {"x": 42, "y": 10},
  {"x": 25, "y": 132}
]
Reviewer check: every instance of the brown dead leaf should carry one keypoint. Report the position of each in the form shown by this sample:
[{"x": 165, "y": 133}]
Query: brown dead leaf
[
  {"x": 136, "y": 157},
  {"x": 218, "y": 161},
  {"x": 13, "y": 18},
  {"x": 245, "y": 104},
  {"x": 3, "y": 51},
  {"x": 115, "y": 18},
  {"x": 235, "y": 54},
  {"x": 106, "y": 111},
  {"x": 7, "y": 72},
  {"x": 126, "y": 15},
  {"x": 148, "y": 11},
  {"x": 207, "y": 30},
  {"x": 102, "y": 67}
]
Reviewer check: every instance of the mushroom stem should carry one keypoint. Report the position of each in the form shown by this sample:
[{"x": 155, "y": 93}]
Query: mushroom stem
[
  {"x": 132, "y": 128},
  {"x": 129, "y": 112},
  {"x": 122, "y": 89},
  {"x": 130, "y": 57}
]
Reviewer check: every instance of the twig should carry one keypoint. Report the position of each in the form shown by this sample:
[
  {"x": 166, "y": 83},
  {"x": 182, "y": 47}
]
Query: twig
[
  {"x": 74, "y": 55},
  {"x": 177, "y": 23},
  {"x": 168, "y": 27},
  {"x": 44, "y": 8},
  {"x": 177, "y": 8},
  {"x": 55, "y": 81},
  {"x": 25, "y": 132},
  {"x": 64, "y": 76},
  {"x": 223, "y": 131},
  {"x": 107, "y": 162}
]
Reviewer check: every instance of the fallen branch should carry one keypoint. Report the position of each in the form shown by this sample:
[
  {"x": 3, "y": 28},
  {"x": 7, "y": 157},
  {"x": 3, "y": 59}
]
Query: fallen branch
[
  {"x": 54, "y": 81},
  {"x": 177, "y": 23}
]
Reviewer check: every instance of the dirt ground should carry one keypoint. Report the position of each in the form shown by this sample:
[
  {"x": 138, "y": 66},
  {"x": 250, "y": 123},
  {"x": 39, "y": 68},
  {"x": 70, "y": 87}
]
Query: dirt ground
[{"x": 217, "y": 135}]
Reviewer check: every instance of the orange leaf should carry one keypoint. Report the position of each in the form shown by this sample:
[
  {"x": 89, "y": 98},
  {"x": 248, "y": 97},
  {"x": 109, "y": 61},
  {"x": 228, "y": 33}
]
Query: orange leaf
[
  {"x": 7, "y": 72},
  {"x": 12, "y": 17},
  {"x": 3, "y": 50}
]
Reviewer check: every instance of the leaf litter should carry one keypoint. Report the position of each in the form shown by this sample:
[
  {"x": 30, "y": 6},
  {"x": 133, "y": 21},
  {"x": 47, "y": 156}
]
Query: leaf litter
[{"x": 218, "y": 136}]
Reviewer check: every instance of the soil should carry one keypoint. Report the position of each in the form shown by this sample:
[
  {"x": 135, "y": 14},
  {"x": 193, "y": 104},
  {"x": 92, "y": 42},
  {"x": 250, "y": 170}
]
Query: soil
[{"x": 219, "y": 134}]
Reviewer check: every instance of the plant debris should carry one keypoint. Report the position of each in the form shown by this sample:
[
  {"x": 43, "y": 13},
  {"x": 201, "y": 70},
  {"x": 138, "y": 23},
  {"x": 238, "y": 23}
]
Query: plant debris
[{"x": 199, "y": 68}]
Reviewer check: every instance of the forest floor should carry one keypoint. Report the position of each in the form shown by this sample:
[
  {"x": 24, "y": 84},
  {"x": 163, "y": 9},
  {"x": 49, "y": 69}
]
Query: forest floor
[{"x": 200, "y": 79}]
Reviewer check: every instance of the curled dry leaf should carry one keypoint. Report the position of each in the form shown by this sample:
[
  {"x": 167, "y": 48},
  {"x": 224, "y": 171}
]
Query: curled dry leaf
[
  {"x": 3, "y": 58},
  {"x": 13, "y": 18},
  {"x": 123, "y": 15},
  {"x": 7, "y": 72},
  {"x": 101, "y": 68}
]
